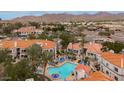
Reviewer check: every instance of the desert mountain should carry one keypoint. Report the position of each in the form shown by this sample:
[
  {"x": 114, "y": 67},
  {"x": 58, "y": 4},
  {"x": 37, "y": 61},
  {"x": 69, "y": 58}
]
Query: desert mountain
[{"x": 69, "y": 17}]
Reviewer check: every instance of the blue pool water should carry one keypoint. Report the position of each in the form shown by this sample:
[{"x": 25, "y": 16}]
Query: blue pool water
[{"x": 64, "y": 71}]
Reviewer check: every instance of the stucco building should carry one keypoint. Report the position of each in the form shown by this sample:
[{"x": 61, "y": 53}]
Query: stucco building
[
  {"x": 112, "y": 65},
  {"x": 17, "y": 48}
]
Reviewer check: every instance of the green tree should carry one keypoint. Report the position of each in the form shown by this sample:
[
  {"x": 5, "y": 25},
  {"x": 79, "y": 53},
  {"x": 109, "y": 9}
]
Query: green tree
[
  {"x": 104, "y": 33},
  {"x": 60, "y": 27},
  {"x": 31, "y": 36},
  {"x": 20, "y": 71},
  {"x": 82, "y": 45},
  {"x": 66, "y": 39},
  {"x": 7, "y": 29},
  {"x": 5, "y": 58},
  {"x": 116, "y": 46},
  {"x": 38, "y": 56},
  {"x": 18, "y": 25},
  {"x": 1, "y": 25},
  {"x": 42, "y": 36},
  {"x": 34, "y": 52},
  {"x": 36, "y": 24}
]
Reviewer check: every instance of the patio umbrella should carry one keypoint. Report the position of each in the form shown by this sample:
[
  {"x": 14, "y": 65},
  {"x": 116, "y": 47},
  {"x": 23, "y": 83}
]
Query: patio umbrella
[{"x": 55, "y": 75}]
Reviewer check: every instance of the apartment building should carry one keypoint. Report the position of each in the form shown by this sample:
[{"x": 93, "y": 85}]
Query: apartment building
[
  {"x": 81, "y": 71},
  {"x": 17, "y": 48},
  {"x": 112, "y": 65},
  {"x": 93, "y": 50},
  {"x": 74, "y": 48},
  {"x": 26, "y": 31},
  {"x": 102, "y": 39}
]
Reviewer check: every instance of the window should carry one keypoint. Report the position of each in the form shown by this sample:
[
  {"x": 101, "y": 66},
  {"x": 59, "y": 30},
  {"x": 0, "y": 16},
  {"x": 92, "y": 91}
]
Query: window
[
  {"x": 85, "y": 76},
  {"x": 76, "y": 51},
  {"x": 116, "y": 69},
  {"x": 107, "y": 64},
  {"x": 18, "y": 49},
  {"x": 69, "y": 49},
  {"x": 116, "y": 78},
  {"x": 22, "y": 55},
  {"x": 76, "y": 73},
  {"x": 10, "y": 51},
  {"x": 91, "y": 54},
  {"x": 102, "y": 68},
  {"x": 107, "y": 72},
  {"x": 25, "y": 56},
  {"x": 23, "y": 50},
  {"x": 51, "y": 50}
]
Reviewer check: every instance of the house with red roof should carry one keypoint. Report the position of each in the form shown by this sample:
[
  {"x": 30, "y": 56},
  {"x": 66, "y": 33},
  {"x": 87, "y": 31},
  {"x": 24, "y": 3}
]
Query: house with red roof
[
  {"x": 26, "y": 31},
  {"x": 112, "y": 65},
  {"x": 93, "y": 50},
  {"x": 74, "y": 48},
  {"x": 81, "y": 71}
]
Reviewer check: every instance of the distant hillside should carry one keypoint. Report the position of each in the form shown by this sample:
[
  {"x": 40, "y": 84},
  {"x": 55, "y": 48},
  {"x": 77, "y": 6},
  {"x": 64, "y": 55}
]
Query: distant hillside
[{"x": 69, "y": 17}]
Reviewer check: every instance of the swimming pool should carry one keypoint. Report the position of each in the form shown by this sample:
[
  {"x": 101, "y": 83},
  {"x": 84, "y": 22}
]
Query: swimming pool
[{"x": 64, "y": 71}]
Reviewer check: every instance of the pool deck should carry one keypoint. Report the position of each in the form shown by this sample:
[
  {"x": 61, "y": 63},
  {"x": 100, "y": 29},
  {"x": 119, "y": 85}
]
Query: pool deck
[{"x": 70, "y": 78}]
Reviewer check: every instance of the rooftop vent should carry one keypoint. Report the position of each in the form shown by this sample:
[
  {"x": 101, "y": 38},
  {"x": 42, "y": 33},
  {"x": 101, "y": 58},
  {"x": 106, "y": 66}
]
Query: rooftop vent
[
  {"x": 39, "y": 43},
  {"x": 1, "y": 44},
  {"x": 15, "y": 44},
  {"x": 122, "y": 62},
  {"x": 46, "y": 44}
]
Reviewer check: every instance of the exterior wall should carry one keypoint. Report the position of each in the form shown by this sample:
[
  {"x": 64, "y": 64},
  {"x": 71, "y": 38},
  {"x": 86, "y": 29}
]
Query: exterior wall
[
  {"x": 23, "y": 54},
  {"x": 91, "y": 55},
  {"x": 109, "y": 69},
  {"x": 80, "y": 74},
  {"x": 78, "y": 52},
  {"x": 101, "y": 40},
  {"x": 25, "y": 34},
  {"x": 13, "y": 53}
]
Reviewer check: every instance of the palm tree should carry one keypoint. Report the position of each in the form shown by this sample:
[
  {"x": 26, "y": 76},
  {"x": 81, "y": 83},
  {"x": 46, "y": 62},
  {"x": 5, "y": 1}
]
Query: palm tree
[
  {"x": 34, "y": 55},
  {"x": 87, "y": 61},
  {"x": 46, "y": 57},
  {"x": 82, "y": 45},
  {"x": 38, "y": 56}
]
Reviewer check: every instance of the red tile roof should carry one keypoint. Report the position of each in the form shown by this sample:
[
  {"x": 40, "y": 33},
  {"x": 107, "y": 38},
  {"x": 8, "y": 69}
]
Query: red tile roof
[
  {"x": 115, "y": 59},
  {"x": 93, "y": 47},
  {"x": 27, "y": 43},
  {"x": 98, "y": 76},
  {"x": 27, "y": 29},
  {"x": 87, "y": 69},
  {"x": 74, "y": 46}
]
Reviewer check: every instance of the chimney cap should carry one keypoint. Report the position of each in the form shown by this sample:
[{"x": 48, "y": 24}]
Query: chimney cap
[
  {"x": 122, "y": 62},
  {"x": 15, "y": 44}
]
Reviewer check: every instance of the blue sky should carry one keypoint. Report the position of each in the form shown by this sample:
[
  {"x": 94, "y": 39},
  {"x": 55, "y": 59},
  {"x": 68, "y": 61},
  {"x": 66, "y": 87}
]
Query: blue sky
[{"x": 13, "y": 14}]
